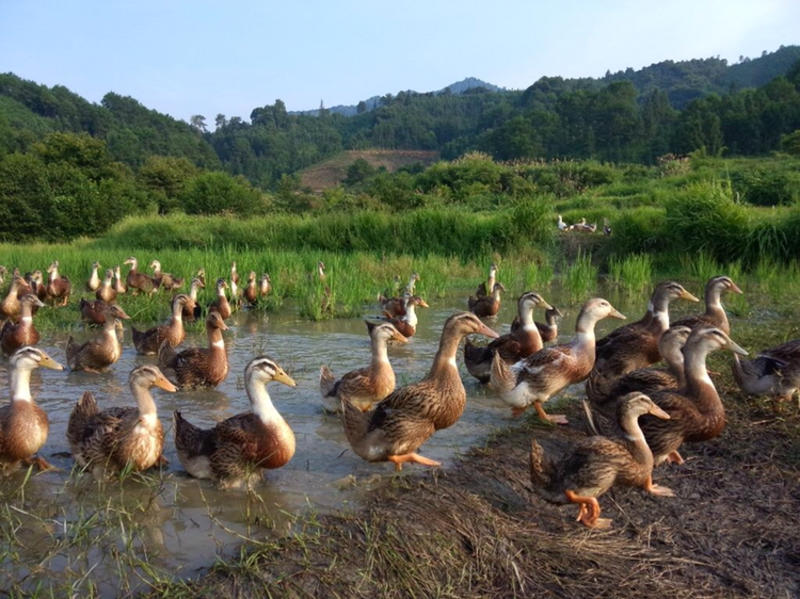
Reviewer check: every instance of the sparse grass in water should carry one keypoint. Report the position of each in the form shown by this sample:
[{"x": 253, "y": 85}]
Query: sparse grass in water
[
  {"x": 632, "y": 273},
  {"x": 580, "y": 276}
]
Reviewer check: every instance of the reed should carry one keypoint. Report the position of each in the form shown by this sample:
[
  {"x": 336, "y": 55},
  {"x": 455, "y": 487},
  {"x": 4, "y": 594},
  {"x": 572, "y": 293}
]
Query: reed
[
  {"x": 580, "y": 276},
  {"x": 633, "y": 273}
]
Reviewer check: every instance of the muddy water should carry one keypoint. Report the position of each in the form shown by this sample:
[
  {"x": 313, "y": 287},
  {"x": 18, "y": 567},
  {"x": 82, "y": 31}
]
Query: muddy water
[{"x": 191, "y": 522}]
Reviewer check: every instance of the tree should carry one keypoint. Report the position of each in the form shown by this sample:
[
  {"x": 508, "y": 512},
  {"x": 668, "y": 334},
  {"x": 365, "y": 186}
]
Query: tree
[{"x": 198, "y": 121}]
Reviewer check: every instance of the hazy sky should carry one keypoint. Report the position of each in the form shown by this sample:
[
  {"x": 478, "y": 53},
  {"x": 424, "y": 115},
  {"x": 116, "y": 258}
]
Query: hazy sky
[{"x": 186, "y": 57}]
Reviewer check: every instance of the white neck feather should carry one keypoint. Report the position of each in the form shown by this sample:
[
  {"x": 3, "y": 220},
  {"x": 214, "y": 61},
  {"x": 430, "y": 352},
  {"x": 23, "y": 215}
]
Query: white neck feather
[
  {"x": 27, "y": 319},
  {"x": 261, "y": 402},
  {"x": 411, "y": 315},
  {"x": 21, "y": 384},
  {"x": 218, "y": 344}
]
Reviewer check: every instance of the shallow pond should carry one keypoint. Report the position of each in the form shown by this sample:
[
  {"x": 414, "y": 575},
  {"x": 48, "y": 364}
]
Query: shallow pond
[{"x": 183, "y": 524}]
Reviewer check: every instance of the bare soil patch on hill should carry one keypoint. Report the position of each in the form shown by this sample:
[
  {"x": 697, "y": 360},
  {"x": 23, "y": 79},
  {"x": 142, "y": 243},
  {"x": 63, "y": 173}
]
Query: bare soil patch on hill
[{"x": 331, "y": 172}]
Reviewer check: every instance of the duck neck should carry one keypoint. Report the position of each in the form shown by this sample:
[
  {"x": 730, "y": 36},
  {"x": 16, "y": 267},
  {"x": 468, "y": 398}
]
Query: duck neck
[
  {"x": 156, "y": 269},
  {"x": 491, "y": 280},
  {"x": 659, "y": 309},
  {"x": 525, "y": 312},
  {"x": 674, "y": 360},
  {"x": 699, "y": 385},
  {"x": 221, "y": 292},
  {"x": 411, "y": 314},
  {"x": 496, "y": 294},
  {"x": 54, "y": 274},
  {"x": 26, "y": 313},
  {"x": 215, "y": 340},
  {"x": 714, "y": 307},
  {"x": 144, "y": 401},
  {"x": 444, "y": 363},
  {"x": 411, "y": 284},
  {"x": 193, "y": 291},
  {"x": 584, "y": 333},
  {"x": 380, "y": 356},
  {"x": 177, "y": 313},
  {"x": 21, "y": 384},
  {"x": 261, "y": 402},
  {"x": 635, "y": 440}
]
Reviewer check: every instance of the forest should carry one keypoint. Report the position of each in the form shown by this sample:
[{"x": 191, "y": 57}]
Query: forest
[{"x": 72, "y": 168}]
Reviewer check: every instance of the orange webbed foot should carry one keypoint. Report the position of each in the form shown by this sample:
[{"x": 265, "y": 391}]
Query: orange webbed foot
[
  {"x": 675, "y": 458},
  {"x": 399, "y": 460}
]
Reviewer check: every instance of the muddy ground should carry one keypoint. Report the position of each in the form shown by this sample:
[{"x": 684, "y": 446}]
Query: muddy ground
[{"x": 477, "y": 530}]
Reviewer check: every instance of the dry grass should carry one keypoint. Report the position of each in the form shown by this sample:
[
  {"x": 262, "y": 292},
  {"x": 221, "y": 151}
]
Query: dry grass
[{"x": 478, "y": 530}]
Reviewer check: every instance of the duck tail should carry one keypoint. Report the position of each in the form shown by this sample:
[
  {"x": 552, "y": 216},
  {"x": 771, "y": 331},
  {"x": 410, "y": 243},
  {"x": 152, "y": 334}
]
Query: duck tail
[
  {"x": 541, "y": 466},
  {"x": 190, "y": 439},
  {"x": 166, "y": 355},
  {"x": 501, "y": 379},
  {"x": 355, "y": 423},
  {"x": 327, "y": 382},
  {"x": 80, "y": 417},
  {"x": 71, "y": 350}
]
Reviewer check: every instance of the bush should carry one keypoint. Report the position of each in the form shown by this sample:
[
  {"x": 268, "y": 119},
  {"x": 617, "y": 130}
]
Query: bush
[{"x": 217, "y": 192}]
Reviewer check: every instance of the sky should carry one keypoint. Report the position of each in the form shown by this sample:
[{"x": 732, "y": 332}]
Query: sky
[{"x": 188, "y": 57}]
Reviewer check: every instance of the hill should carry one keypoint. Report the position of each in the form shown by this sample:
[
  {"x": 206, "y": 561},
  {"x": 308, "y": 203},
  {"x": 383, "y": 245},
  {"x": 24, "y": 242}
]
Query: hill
[{"x": 333, "y": 171}]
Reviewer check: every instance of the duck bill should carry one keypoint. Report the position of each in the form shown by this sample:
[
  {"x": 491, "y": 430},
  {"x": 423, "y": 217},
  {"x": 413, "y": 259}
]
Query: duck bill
[
  {"x": 120, "y": 313},
  {"x": 558, "y": 312},
  {"x": 423, "y": 304},
  {"x": 48, "y": 362},
  {"x": 658, "y": 412},
  {"x": 735, "y": 288},
  {"x": 162, "y": 383},
  {"x": 689, "y": 297},
  {"x": 399, "y": 337},
  {"x": 735, "y": 348},
  {"x": 282, "y": 377},
  {"x": 487, "y": 332},
  {"x": 617, "y": 314},
  {"x": 547, "y": 306}
]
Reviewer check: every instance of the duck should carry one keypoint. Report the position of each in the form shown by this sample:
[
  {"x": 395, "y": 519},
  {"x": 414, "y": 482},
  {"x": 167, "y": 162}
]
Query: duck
[
  {"x": 562, "y": 226},
  {"x": 191, "y": 309},
  {"x": 96, "y": 312},
  {"x": 265, "y": 285},
  {"x": 120, "y": 438},
  {"x": 320, "y": 280},
  {"x": 238, "y": 449},
  {"x": 535, "y": 379},
  {"x": 234, "y": 286},
  {"x": 646, "y": 379},
  {"x": 100, "y": 352},
  {"x": 251, "y": 291},
  {"x": 94, "y": 279},
  {"x": 394, "y": 305},
  {"x": 221, "y": 304},
  {"x": 197, "y": 366},
  {"x": 487, "y": 305},
  {"x": 148, "y": 342},
  {"x": 548, "y": 329},
  {"x": 399, "y": 424},
  {"x": 164, "y": 280},
  {"x": 696, "y": 411},
  {"x": 3, "y": 273},
  {"x": 715, "y": 314},
  {"x": 15, "y": 335},
  {"x": 366, "y": 386},
  {"x": 23, "y": 424},
  {"x": 35, "y": 284},
  {"x": 106, "y": 291},
  {"x": 119, "y": 286},
  {"x": 406, "y": 324},
  {"x": 636, "y": 345},
  {"x": 594, "y": 464},
  {"x": 10, "y": 306},
  {"x": 139, "y": 281},
  {"x": 512, "y": 346},
  {"x": 774, "y": 371},
  {"x": 487, "y": 288},
  {"x": 58, "y": 287}
]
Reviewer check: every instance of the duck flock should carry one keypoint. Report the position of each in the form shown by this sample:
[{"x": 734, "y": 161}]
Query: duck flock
[{"x": 638, "y": 416}]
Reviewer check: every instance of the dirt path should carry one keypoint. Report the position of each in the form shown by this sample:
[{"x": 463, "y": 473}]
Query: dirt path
[{"x": 477, "y": 530}]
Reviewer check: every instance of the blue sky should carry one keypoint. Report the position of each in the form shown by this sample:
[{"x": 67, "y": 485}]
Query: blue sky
[{"x": 202, "y": 57}]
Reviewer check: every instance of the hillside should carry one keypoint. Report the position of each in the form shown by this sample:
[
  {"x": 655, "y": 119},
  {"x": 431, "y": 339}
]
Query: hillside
[{"x": 332, "y": 171}]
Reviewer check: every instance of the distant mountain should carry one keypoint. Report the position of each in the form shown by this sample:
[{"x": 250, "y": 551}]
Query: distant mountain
[{"x": 459, "y": 87}]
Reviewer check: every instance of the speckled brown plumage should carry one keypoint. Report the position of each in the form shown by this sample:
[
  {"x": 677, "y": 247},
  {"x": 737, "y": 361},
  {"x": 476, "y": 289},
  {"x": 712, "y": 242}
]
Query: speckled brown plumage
[
  {"x": 714, "y": 315},
  {"x": 486, "y": 305},
  {"x": 138, "y": 281},
  {"x": 15, "y": 335},
  {"x": 98, "y": 353},
  {"x": 196, "y": 366},
  {"x": 403, "y": 421},
  {"x": 147, "y": 342},
  {"x": 97, "y": 311}
]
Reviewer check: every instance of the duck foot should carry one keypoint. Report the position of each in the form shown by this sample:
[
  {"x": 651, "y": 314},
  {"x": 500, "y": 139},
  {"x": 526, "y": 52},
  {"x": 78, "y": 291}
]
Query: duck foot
[
  {"x": 658, "y": 490},
  {"x": 589, "y": 511},
  {"x": 40, "y": 463},
  {"x": 552, "y": 418},
  {"x": 675, "y": 458},
  {"x": 399, "y": 460}
]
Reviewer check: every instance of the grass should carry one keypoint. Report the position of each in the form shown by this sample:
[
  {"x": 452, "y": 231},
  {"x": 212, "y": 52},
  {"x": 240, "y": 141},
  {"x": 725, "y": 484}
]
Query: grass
[
  {"x": 580, "y": 276},
  {"x": 633, "y": 273}
]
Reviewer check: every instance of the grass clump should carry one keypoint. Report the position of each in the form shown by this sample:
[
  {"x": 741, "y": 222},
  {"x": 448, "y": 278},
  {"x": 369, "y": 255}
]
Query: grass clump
[{"x": 632, "y": 273}]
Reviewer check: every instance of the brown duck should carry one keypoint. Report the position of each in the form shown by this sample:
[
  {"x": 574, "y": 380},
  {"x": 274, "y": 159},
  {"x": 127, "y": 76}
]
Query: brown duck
[
  {"x": 535, "y": 379},
  {"x": 196, "y": 366},
  {"x": 106, "y": 291},
  {"x": 147, "y": 342},
  {"x": 97, "y": 354},
  {"x": 221, "y": 304},
  {"x": 93, "y": 284},
  {"x": 15, "y": 335},
  {"x": 512, "y": 346},
  {"x": 23, "y": 424},
  {"x": 366, "y": 386},
  {"x": 164, "y": 280},
  {"x": 119, "y": 438},
  {"x": 714, "y": 315},
  {"x": 399, "y": 424},
  {"x": 486, "y": 305},
  {"x": 548, "y": 329},
  {"x": 487, "y": 287},
  {"x": 96, "y": 312},
  {"x": 10, "y": 306},
  {"x": 595, "y": 464},
  {"x": 237, "y": 449},
  {"x": 58, "y": 287},
  {"x": 696, "y": 412},
  {"x": 407, "y": 323},
  {"x": 191, "y": 309},
  {"x": 139, "y": 281}
]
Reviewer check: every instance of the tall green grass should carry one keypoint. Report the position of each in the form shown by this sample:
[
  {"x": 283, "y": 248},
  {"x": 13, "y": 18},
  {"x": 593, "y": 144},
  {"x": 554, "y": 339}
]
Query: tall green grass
[
  {"x": 632, "y": 273},
  {"x": 580, "y": 276}
]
